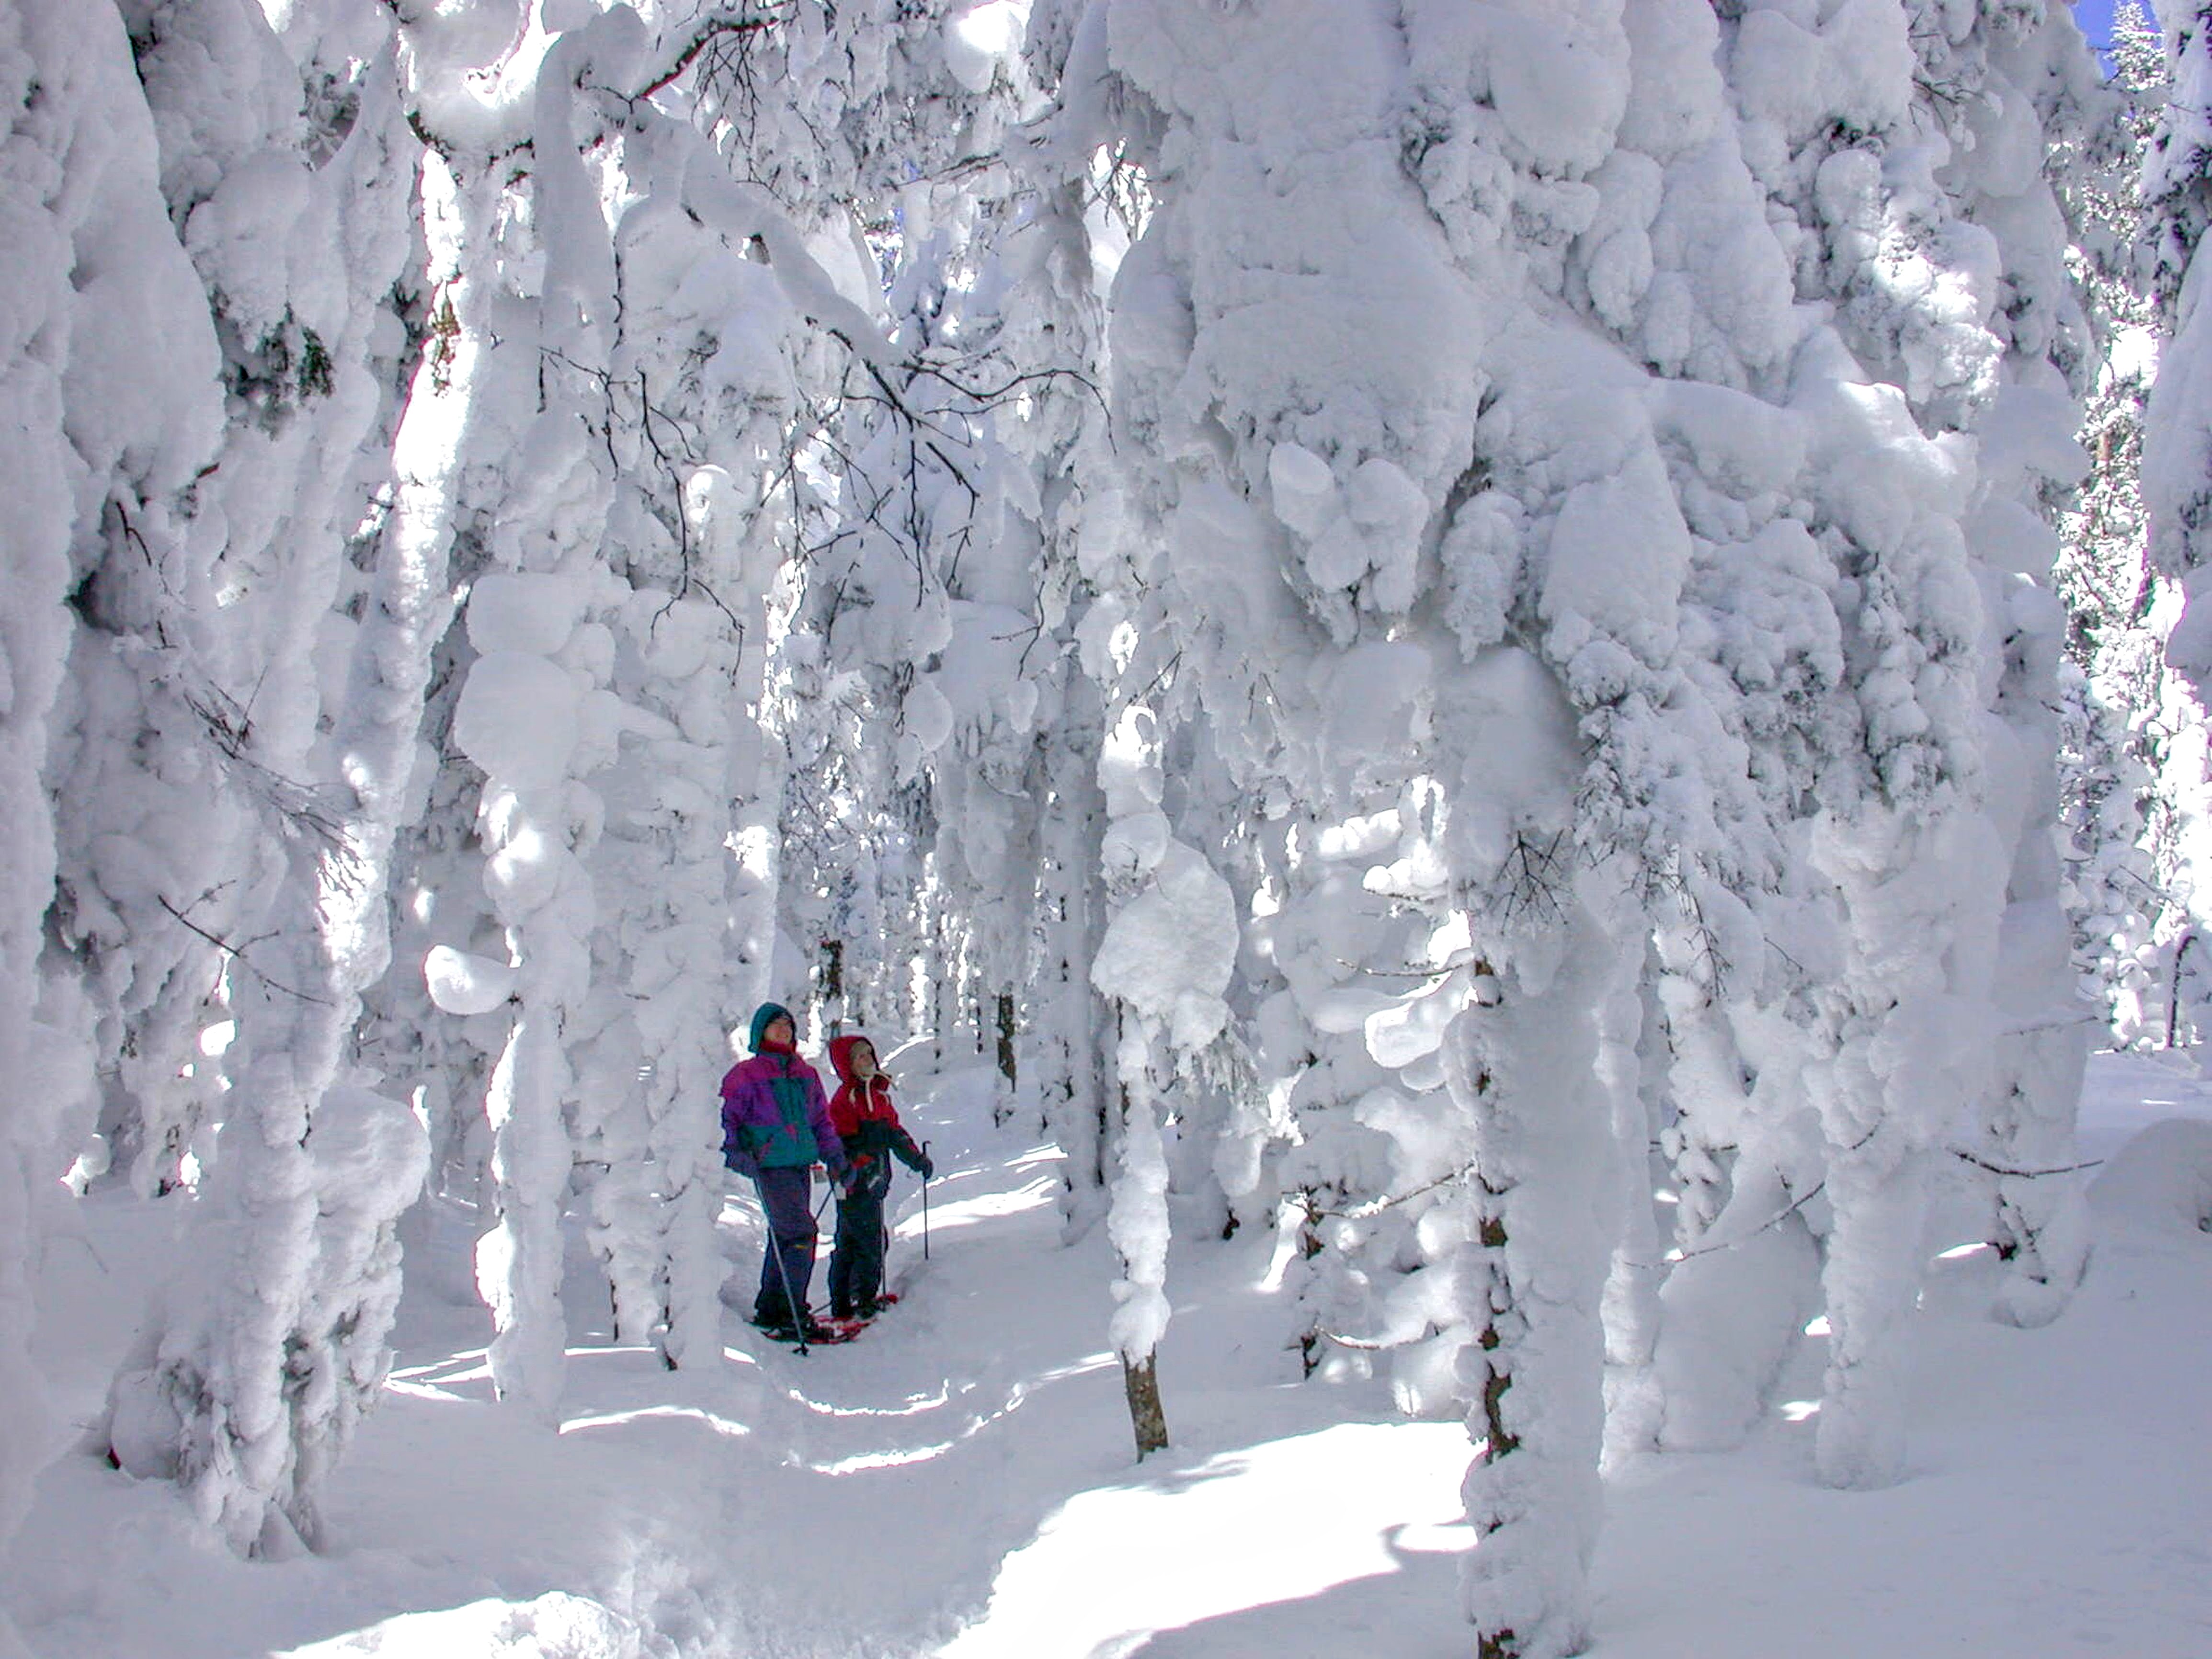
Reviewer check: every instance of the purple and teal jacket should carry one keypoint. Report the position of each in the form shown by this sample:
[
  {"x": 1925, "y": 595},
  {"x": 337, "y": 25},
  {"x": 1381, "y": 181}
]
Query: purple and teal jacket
[{"x": 774, "y": 1115}]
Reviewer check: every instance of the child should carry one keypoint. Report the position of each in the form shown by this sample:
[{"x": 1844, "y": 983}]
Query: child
[
  {"x": 775, "y": 1127},
  {"x": 863, "y": 1115}
]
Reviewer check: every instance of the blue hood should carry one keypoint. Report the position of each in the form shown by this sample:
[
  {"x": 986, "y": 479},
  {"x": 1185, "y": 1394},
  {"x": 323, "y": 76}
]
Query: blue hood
[{"x": 763, "y": 1015}]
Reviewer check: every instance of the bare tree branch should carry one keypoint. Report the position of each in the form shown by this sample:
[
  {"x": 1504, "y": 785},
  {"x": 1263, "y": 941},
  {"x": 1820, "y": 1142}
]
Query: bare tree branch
[{"x": 237, "y": 953}]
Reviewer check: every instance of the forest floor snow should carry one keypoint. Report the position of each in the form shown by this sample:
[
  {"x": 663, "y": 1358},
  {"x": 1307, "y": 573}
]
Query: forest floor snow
[{"x": 960, "y": 1481}]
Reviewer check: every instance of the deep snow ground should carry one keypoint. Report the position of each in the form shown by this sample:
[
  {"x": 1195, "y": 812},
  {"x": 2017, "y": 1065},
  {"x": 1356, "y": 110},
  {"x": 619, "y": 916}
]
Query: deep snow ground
[{"x": 960, "y": 1480}]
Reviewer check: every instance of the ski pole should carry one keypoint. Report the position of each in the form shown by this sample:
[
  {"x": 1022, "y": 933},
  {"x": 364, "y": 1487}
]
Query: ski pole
[{"x": 925, "y": 1205}]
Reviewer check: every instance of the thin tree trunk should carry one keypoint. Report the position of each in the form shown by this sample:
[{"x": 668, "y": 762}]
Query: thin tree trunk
[
  {"x": 1140, "y": 1381},
  {"x": 833, "y": 987},
  {"x": 1139, "y": 1223},
  {"x": 2173, "y": 989},
  {"x": 1522, "y": 1062}
]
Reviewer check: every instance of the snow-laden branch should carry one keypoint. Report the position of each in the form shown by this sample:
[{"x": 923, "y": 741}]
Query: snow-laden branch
[{"x": 712, "y": 33}]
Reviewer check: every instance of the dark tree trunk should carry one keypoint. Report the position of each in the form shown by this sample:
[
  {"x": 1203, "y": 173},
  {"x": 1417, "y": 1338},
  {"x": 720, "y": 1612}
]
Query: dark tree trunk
[
  {"x": 1499, "y": 1442},
  {"x": 1142, "y": 1382},
  {"x": 2173, "y": 989},
  {"x": 833, "y": 986}
]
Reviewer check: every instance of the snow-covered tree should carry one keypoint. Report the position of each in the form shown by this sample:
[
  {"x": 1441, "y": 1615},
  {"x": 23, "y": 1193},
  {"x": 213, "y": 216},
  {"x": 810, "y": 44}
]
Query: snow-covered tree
[
  {"x": 110, "y": 379},
  {"x": 274, "y": 1336},
  {"x": 2122, "y": 703},
  {"x": 2024, "y": 83},
  {"x": 1049, "y": 289},
  {"x": 2177, "y": 459}
]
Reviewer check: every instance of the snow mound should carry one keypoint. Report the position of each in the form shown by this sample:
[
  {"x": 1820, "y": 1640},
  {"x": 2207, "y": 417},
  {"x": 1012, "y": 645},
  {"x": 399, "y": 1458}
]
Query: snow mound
[
  {"x": 981, "y": 36},
  {"x": 2161, "y": 1178},
  {"x": 1170, "y": 952},
  {"x": 530, "y": 613},
  {"x": 517, "y": 719},
  {"x": 460, "y": 983},
  {"x": 370, "y": 1156},
  {"x": 554, "y": 1626}
]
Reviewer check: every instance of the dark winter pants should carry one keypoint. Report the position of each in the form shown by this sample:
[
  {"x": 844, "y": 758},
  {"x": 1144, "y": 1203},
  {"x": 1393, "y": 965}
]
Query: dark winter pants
[
  {"x": 856, "y": 1261},
  {"x": 788, "y": 1196}
]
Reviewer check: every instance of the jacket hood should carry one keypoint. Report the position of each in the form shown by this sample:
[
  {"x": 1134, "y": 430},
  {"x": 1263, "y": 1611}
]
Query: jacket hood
[
  {"x": 765, "y": 1012},
  {"x": 841, "y": 1055}
]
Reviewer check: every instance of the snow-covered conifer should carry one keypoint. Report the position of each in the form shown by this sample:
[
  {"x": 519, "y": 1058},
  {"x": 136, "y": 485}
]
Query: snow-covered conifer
[
  {"x": 1053, "y": 264},
  {"x": 1298, "y": 492},
  {"x": 2026, "y": 83},
  {"x": 535, "y": 714},
  {"x": 151, "y": 842},
  {"x": 2177, "y": 462},
  {"x": 109, "y": 378},
  {"x": 2122, "y": 701},
  {"x": 274, "y": 1334}
]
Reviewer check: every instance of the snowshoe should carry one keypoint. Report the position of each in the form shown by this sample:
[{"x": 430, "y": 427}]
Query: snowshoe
[{"x": 813, "y": 1333}]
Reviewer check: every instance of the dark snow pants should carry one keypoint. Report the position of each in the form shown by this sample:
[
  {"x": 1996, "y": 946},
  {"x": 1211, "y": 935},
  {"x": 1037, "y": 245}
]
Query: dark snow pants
[
  {"x": 788, "y": 1196},
  {"x": 856, "y": 1259}
]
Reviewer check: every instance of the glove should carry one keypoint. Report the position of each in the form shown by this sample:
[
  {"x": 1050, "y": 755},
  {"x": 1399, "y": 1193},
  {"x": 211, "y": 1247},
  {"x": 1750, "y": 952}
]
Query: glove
[{"x": 927, "y": 1166}]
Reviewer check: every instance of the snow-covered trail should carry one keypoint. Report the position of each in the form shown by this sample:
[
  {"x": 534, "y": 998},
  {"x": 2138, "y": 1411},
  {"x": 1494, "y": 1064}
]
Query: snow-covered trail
[
  {"x": 853, "y": 1500},
  {"x": 960, "y": 1481}
]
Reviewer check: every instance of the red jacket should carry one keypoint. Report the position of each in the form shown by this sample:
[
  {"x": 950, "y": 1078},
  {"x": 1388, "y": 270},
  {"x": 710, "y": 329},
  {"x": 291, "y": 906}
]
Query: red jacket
[{"x": 863, "y": 1115}]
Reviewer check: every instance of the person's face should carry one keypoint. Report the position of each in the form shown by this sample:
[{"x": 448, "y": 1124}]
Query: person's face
[
  {"x": 864, "y": 1062},
  {"x": 778, "y": 1032}
]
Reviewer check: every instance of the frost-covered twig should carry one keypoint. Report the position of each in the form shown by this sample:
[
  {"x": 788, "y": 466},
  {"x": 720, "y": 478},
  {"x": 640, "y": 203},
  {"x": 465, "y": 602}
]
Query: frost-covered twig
[
  {"x": 133, "y": 535},
  {"x": 1529, "y": 876},
  {"x": 237, "y": 953},
  {"x": 646, "y": 412},
  {"x": 1158, "y": 681},
  {"x": 1443, "y": 970},
  {"x": 1371, "y": 1344},
  {"x": 990, "y": 397},
  {"x": 677, "y": 520},
  {"x": 1124, "y": 189},
  {"x": 1981, "y": 1163},
  {"x": 1375, "y": 1207},
  {"x": 1710, "y": 962},
  {"x": 1767, "y": 1225},
  {"x": 713, "y": 32},
  {"x": 301, "y": 808}
]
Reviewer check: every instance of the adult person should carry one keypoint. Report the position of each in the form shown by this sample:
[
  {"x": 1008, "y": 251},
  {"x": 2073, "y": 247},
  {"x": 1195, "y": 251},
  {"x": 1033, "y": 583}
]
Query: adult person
[
  {"x": 868, "y": 1124},
  {"x": 776, "y": 1127}
]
